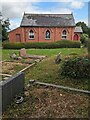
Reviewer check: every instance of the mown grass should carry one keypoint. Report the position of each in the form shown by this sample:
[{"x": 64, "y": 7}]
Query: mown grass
[{"x": 48, "y": 52}]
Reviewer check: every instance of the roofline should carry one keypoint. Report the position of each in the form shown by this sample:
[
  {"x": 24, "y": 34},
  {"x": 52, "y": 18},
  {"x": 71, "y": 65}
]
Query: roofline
[
  {"x": 49, "y": 13},
  {"x": 14, "y": 29},
  {"x": 22, "y": 18},
  {"x": 47, "y": 26},
  {"x": 78, "y": 32}
]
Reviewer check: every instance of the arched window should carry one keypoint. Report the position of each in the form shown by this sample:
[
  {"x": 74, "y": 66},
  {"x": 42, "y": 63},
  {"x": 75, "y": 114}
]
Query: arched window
[
  {"x": 47, "y": 34},
  {"x": 31, "y": 34},
  {"x": 64, "y": 34}
]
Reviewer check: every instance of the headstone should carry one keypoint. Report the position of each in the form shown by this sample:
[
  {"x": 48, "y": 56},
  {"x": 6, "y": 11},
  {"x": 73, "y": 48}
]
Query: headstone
[
  {"x": 13, "y": 56},
  {"x": 58, "y": 58},
  {"x": 23, "y": 52},
  {"x": 19, "y": 58}
]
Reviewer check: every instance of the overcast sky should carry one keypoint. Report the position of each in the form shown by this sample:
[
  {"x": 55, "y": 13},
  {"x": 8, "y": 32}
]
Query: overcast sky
[{"x": 13, "y": 9}]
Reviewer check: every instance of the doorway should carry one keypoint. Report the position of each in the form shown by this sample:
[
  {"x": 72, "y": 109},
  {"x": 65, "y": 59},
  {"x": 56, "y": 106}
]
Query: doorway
[
  {"x": 76, "y": 37},
  {"x": 18, "y": 38}
]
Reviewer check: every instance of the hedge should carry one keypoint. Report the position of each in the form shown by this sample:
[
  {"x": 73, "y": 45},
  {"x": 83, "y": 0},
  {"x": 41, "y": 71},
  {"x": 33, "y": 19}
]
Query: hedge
[
  {"x": 40, "y": 45},
  {"x": 78, "y": 67}
]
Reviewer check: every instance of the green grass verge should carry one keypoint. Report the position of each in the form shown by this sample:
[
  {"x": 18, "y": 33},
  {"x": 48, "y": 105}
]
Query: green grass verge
[{"x": 49, "y": 52}]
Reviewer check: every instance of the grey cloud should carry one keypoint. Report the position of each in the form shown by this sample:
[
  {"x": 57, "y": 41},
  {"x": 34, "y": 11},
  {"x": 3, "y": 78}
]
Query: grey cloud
[{"x": 15, "y": 9}]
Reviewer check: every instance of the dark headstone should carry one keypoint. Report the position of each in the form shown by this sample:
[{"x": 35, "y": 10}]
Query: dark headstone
[{"x": 9, "y": 89}]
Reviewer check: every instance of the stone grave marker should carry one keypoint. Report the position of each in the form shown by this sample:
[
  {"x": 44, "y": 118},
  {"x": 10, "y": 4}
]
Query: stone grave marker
[
  {"x": 23, "y": 52},
  {"x": 58, "y": 58}
]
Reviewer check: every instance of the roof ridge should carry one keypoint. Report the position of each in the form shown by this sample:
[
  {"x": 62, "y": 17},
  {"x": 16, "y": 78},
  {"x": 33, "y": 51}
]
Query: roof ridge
[{"x": 47, "y": 14}]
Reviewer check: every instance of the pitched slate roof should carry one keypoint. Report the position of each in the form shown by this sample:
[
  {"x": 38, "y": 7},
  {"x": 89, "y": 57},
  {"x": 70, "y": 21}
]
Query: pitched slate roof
[
  {"x": 48, "y": 20},
  {"x": 78, "y": 29}
]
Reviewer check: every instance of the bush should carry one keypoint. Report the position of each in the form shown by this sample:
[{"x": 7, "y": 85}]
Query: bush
[
  {"x": 78, "y": 67},
  {"x": 40, "y": 45},
  {"x": 84, "y": 39}
]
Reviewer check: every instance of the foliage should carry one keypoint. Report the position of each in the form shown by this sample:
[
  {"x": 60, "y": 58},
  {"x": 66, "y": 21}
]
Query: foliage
[
  {"x": 59, "y": 44},
  {"x": 78, "y": 67},
  {"x": 4, "y": 27},
  {"x": 84, "y": 39},
  {"x": 84, "y": 27}
]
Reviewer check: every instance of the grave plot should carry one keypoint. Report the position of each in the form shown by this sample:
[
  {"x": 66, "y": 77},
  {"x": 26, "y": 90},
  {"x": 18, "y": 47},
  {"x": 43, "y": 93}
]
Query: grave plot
[
  {"x": 12, "y": 67},
  {"x": 48, "y": 102}
]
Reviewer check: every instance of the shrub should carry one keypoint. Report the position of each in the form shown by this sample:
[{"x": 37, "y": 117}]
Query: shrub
[
  {"x": 17, "y": 45},
  {"x": 84, "y": 39},
  {"x": 68, "y": 44},
  {"x": 41, "y": 45},
  {"x": 78, "y": 67}
]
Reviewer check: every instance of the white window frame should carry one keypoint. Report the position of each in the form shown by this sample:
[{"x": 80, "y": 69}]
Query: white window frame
[
  {"x": 31, "y": 34},
  {"x": 64, "y": 35}
]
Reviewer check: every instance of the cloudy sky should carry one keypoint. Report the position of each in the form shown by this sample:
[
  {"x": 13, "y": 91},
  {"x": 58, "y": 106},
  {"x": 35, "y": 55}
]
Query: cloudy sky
[{"x": 14, "y": 10}]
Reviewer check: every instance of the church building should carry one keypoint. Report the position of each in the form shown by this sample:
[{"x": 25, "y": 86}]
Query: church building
[{"x": 46, "y": 28}]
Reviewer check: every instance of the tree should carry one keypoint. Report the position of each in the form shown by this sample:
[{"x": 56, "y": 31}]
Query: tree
[
  {"x": 84, "y": 27},
  {"x": 4, "y": 27}
]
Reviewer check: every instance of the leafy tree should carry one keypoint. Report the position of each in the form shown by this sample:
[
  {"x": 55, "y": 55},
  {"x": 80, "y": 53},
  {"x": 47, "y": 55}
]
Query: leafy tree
[
  {"x": 84, "y": 27},
  {"x": 4, "y": 27},
  {"x": 84, "y": 39}
]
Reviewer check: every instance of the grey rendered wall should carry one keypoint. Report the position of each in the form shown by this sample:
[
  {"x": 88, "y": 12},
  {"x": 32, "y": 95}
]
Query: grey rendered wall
[{"x": 10, "y": 88}]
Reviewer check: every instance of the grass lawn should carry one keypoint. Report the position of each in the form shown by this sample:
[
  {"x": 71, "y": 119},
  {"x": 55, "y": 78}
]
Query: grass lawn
[
  {"x": 47, "y": 70},
  {"x": 50, "y": 102},
  {"x": 48, "y": 52}
]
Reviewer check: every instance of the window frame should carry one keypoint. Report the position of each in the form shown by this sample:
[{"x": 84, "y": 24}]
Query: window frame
[
  {"x": 31, "y": 33},
  {"x": 64, "y": 36},
  {"x": 46, "y": 35}
]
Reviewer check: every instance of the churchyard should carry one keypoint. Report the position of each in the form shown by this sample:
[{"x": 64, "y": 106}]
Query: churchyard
[{"x": 47, "y": 101}]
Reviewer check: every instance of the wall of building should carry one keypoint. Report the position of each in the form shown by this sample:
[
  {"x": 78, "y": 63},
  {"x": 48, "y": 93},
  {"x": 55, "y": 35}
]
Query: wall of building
[
  {"x": 56, "y": 34},
  {"x": 12, "y": 34}
]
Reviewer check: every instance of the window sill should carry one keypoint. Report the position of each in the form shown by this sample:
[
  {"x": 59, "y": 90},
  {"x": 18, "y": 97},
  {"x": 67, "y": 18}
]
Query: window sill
[
  {"x": 64, "y": 38},
  {"x": 47, "y": 38},
  {"x": 31, "y": 39}
]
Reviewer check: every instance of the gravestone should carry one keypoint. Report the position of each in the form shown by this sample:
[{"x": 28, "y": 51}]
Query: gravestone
[
  {"x": 9, "y": 89},
  {"x": 15, "y": 57},
  {"x": 23, "y": 52},
  {"x": 58, "y": 58}
]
